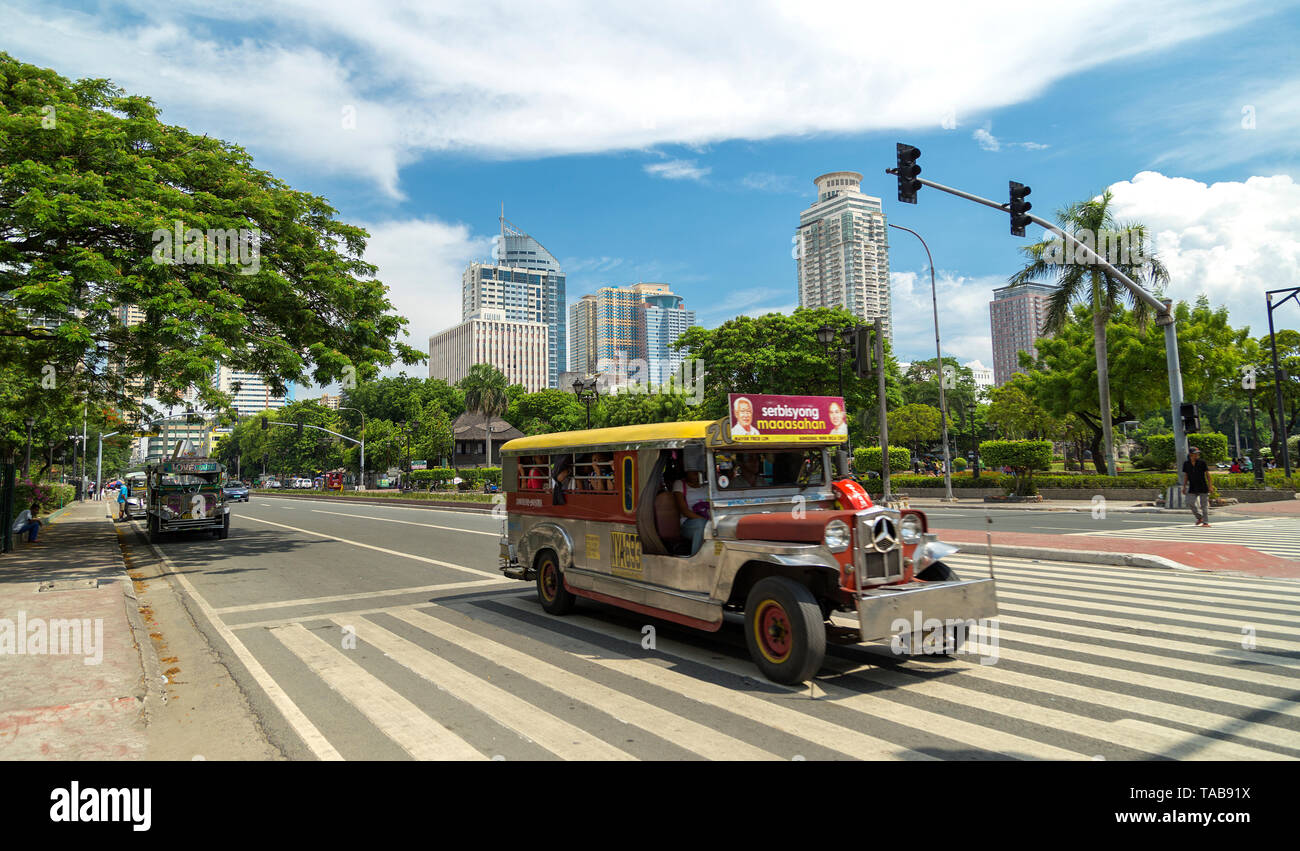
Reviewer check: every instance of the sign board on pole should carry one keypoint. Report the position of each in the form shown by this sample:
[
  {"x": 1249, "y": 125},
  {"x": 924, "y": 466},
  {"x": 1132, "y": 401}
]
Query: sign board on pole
[{"x": 419, "y": 465}]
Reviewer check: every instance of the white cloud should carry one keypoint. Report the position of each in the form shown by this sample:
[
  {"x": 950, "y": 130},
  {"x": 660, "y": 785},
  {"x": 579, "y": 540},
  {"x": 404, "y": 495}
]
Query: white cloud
[
  {"x": 677, "y": 170},
  {"x": 575, "y": 76},
  {"x": 986, "y": 140},
  {"x": 421, "y": 262},
  {"x": 963, "y": 314},
  {"x": 766, "y": 181},
  {"x": 1231, "y": 241}
]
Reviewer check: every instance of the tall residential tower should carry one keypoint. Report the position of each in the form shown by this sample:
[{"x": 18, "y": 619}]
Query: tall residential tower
[{"x": 843, "y": 250}]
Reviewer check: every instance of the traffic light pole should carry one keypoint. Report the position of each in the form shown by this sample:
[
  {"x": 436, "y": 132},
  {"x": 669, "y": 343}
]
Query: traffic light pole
[
  {"x": 1293, "y": 293},
  {"x": 879, "y": 335},
  {"x": 1164, "y": 310}
]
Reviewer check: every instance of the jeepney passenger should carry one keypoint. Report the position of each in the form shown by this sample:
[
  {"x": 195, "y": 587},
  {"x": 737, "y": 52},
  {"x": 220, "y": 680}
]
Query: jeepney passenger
[
  {"x": 602, "y": 470},
  {"x": 692, "y": 500}
]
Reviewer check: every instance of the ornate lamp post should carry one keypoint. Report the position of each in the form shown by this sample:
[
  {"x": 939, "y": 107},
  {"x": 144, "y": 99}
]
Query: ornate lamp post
[
  {"x": 27, "y": 461},
  {"x": 585, "y": 390}
]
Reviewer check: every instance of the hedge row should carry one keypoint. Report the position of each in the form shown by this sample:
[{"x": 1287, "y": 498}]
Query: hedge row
[
  {"x": 868, "y": 458},
  {"x": 1160, "y": 448},
  {"x": 439, "y": 477},
  {"x": 1151, "y": 481}
]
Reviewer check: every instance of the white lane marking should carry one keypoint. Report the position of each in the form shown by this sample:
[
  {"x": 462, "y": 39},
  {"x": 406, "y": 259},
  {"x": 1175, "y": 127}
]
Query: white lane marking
[
  {"x": 377, "y": 504},
  {"x": 533, "y": 724},
  {"x": 296, "y": 718},
  {"x": 1175, "y": 610},
  {"x": 671, "y": 726},
  {"x": 407, "y": 522},
  {"x": 364, "y": 595},
  {"x": 352, "y": 613},
  {"x": 1181, "y": 744},
  {"x": 846, "y": 740},
  {"x": 394, "y": 716},
  {"x": 446, "y": 564},
  {"x": 1190, "y": 578}
]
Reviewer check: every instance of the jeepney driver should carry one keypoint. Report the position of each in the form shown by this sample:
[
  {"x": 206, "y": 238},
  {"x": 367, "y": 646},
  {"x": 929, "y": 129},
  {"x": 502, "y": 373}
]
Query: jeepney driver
[
  {"x": 743, "y": 412},
  {"x": 838, "y": 426},
  {"x": 692, "y": 500}
]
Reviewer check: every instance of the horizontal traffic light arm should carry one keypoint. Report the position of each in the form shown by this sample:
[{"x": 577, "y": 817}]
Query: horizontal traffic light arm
[
  {"x": 1088, "y": 254},
  {"x": 318, "y": 428}
]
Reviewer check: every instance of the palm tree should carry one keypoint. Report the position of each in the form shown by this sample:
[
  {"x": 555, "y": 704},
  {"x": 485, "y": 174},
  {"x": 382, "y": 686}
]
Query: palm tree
[
  {"x": 1124, "y": 246},
  {"x": 485, "y": 394}
]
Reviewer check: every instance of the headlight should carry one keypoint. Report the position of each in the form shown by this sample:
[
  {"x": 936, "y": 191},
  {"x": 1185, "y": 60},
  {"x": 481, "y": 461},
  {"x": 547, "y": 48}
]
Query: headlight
[
  {"x": 837, "y": 536},
  {"x": 911, "y": 529}
]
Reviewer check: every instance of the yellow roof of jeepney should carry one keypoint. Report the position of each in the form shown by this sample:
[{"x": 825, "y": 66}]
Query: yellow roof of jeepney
[
  {"x": 643, "y": 433},
  {"x": 647, "y": 433}
]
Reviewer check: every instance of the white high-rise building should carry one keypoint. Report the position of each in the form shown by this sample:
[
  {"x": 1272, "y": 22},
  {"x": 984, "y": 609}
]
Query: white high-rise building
[
  {"x": 253, "y": 395},
  {"x": 843, "y": 250},
  {"x": 982, "y": 374},
  {"x": 518, "y": 349}
]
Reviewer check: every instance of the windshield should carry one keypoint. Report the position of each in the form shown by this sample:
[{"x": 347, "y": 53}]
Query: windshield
[{"x": 750, "y": 469}]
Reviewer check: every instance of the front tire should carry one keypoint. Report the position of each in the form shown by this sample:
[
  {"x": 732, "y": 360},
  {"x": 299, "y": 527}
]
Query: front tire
[
  {"x": 937, "y": 572},
  {"x": 551, "y": 593},
  {"x": 784, "y": 630}
]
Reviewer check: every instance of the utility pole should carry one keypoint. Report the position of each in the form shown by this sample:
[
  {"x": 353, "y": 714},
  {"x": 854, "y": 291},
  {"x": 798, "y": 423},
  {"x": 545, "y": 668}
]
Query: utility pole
[
  {"x": 1283, "y": 424},
  {"x": 878, "y": 329}
]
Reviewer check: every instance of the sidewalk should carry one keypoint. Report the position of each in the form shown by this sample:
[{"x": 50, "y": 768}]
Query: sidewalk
[
  {"x": 71, "y": 682},
  {"x": 1290, "y": 507}
]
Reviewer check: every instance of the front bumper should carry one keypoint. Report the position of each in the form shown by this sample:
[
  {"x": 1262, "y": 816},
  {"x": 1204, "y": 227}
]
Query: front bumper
[{"x": 881, "y": 609}]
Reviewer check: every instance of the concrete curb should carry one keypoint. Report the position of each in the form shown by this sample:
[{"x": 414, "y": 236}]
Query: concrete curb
[
  {"x": 150, "y": 664},
  {"x": 1080, "y": 556}
]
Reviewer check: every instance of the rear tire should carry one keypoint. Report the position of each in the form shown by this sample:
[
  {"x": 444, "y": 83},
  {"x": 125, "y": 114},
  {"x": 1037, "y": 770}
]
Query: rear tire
[
  {"x": 784, "y": 630},
  {"x": 551, "y": 593},
  {"x": 154, "y": 533}
]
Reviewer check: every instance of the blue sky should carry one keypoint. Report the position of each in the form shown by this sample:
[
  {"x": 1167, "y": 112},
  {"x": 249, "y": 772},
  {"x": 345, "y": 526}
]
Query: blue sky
[{"x": 680, "y": 145}]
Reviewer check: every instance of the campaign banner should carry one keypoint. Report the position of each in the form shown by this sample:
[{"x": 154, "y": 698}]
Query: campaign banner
[{"x": 787, "y": 419}]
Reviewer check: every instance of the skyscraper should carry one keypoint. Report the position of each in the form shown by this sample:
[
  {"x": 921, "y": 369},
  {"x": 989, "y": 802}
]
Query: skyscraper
[
  {"x": 526, "y": 281},
  {"x": 842, "y": 251},
  {"x": 626, "y": 324},
  {"x": 1016, "y": 317},
  {"x": 517, "y": 348}
]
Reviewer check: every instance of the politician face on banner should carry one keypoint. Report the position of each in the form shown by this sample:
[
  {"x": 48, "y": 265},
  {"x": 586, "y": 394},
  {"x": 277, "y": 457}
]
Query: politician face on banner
[
  {"x": 742, "y": 418},
  {"x": 838, "y": 425}
]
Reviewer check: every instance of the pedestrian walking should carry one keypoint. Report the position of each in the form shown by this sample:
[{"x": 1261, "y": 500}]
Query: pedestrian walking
[
  {"x": 1196, "y": 484},
  {"x": 121, "y": 500},
  {"x": 27, "y": 522}
]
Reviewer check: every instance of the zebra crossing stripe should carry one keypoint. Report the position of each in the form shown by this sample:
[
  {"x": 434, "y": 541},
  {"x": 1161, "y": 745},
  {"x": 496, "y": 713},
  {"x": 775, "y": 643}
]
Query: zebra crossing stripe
[
  {"x": 1054, "y": 688},
  {"x": 393, "y": 715},
  {"x": 1267, "y": 641},
  {"x": 1096, "y": 601},
  {"x": 846, "y": 740},
  {"x": 559, "y": 737},
  {"x": 1183, "y": 665},
  {"x": 1155, "y": 585},
  {"x": 689, "y": 735},
  {"x": 1190, "y": 688},
  {"x": 978, "y": 565}
]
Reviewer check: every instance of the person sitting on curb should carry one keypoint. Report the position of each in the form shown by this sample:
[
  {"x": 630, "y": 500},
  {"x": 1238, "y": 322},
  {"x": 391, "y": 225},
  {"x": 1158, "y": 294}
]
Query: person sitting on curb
[{"x": 27, "y": 522}]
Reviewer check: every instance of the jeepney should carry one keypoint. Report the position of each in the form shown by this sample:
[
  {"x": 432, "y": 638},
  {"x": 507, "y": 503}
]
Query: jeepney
[
  {"x": 185, "y": 494},
  {"x": 791, "y": 542},
  {"x": 136, "y": 506}
]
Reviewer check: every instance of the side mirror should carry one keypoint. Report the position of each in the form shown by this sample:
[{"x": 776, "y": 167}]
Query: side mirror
[
  {"x": 695, "y": 459},
  {"x": 841, "y": 464}
]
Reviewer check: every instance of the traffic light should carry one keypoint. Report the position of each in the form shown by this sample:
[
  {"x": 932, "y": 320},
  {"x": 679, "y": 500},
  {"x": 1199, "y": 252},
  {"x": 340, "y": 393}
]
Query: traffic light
[
  {"x": 300, "y": 429},
  {"x": 907, "y": 172},
  {"x": 266, "y": 424},
  {"x": 863, "y": 347},
  {"x": 1191, "y": 419},
  {"x": 1019, "y": 208}
]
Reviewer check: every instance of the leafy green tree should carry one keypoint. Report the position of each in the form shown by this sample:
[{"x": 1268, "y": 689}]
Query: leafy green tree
[
  {"x": 914, "y": 424},
  {"x": 779, "y": 353},
  {"x": 635, "y": 408},
  {"x": 1022, "y": 456},
  {"x": 432, "y": 439},
  {"x": 1079, "y": 280},
  {"x": 546, "y": 411},
  {"x": 312, "y": 451},
  {"x": 94, "y": 189},
  {"x": 487, "y": 394},
  {"x": 1013, "y": 411}
]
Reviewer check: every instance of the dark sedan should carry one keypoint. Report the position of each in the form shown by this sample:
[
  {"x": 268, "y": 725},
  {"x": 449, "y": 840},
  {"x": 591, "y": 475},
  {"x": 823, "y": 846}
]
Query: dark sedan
[{"x": 235, "y": 492}]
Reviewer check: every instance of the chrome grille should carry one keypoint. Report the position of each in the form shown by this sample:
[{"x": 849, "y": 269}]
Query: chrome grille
[{"x": 878, "y": 554}]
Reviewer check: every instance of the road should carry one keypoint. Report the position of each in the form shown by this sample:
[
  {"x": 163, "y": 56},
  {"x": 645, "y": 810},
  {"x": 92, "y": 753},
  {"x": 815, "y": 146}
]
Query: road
[{"x": 381, "y": 632}]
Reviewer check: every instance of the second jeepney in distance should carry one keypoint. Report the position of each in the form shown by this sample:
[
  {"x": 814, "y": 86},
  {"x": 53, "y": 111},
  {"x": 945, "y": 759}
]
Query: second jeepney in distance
[{"x": 789, "y": 541}]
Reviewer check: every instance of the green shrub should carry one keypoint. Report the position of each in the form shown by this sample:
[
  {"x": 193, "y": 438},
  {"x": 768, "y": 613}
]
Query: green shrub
[
  {"x": 1022, "y": 456},
  {"x": 958, "y": 464},
  {"x": 48, "y": 495},
  {"x": 868, "y": 458},
  {"x": 1160, "y": 448}
]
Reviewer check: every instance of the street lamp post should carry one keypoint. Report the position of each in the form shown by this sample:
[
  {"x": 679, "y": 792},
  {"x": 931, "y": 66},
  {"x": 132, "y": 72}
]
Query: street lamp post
[
  {"x": 974, "y": 445},
  {"x": 362, "y": 485},
  {"x": 938, "y": 365},
  {"x": 585, "y": 390},
  {"x": 1254, "y": 442},
  {"x": 826, "y": 336},
  {"x": 27, "y": 461}
]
